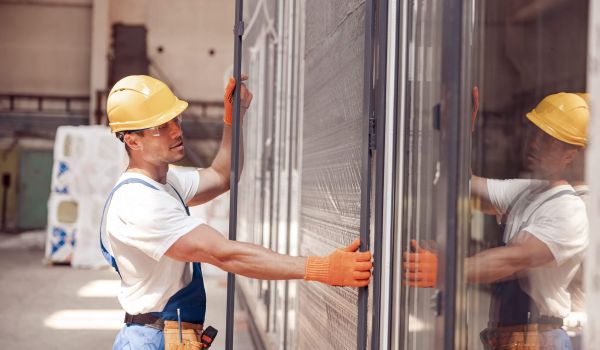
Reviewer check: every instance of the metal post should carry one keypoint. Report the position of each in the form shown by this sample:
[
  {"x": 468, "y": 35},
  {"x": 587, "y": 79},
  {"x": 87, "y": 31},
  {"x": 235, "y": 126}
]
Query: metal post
[
  {"x": 380, "y": 93},
  {"x": 98, "y": 110},
  {"x": 237, "y": 66},
  {"x": 368, "y": 142},
  {"x": 450, "y": 157},
  {"x": 5, "y": 188}
]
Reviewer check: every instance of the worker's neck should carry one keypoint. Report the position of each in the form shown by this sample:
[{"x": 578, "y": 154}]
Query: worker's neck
[
  {"x": 554, "y": 183},
  {"x": 157, "y": 172},
  {"x": 553, "y": 180}
]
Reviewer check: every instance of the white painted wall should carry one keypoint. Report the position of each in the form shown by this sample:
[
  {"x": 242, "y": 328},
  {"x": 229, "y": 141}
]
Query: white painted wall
[{"x": 99, "y": 47}]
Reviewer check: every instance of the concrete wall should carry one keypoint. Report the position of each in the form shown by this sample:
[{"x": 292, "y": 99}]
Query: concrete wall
[
  {"x": 186, "y": 31},
  {"x": 45, "y": 47}
]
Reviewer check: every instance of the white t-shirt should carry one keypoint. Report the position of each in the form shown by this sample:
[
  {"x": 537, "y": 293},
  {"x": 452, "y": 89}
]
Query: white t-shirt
[
  {"x": 141, "y": 225},
  {"x": 578, "y": 314},
  {"x": 561, "y": 223}
]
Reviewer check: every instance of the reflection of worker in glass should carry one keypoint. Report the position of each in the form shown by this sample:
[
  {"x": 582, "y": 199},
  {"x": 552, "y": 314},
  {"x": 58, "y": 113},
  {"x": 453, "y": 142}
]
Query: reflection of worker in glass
[{"x": 545, "y": 234}]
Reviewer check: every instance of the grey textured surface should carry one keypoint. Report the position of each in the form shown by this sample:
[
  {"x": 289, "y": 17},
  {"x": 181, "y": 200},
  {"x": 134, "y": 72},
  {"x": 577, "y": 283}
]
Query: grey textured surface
[{"x": 331, "y": 164}]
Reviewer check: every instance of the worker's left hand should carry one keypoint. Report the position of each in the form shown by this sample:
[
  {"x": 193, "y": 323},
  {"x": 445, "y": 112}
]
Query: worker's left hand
[
  {"x": 343, "y": 267},
  {"x": 419, "y": 267},
  {"x": 245, "y": 100}
]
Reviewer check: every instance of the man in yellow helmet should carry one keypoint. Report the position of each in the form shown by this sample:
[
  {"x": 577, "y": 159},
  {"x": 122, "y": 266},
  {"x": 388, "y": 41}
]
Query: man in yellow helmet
[
  {"x": 545, "y": 234},
  {"x": 156, "y": 247}
]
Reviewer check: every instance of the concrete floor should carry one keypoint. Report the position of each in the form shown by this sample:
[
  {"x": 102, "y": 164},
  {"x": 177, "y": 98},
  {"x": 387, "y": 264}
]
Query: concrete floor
[{"x": 58, "y": 307}]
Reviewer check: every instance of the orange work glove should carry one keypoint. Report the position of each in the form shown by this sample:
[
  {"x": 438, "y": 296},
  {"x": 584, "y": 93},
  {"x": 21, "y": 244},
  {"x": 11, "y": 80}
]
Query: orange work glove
[
  {"x": 475, "y": 107},
  {"x": 228, "y": 101},
  {"x": 343, "y": 267},
  {"x": 420, "y": 268},
  {"x": 245, "y": 99}
]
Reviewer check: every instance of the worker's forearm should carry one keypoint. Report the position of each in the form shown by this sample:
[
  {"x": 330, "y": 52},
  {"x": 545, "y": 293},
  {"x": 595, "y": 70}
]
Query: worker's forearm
[
  {"x": 479, "y": 188},
  {"x": 480, "y": 197},
  {"x": 494, "y": 265},
  {"x": 254, "y": 261},
  {"x": 222, "y": 161}
]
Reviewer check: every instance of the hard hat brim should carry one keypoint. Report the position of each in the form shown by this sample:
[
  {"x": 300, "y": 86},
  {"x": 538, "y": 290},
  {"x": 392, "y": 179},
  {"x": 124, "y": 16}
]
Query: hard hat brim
[
  {"x": 555, "y": 133},
  {"x": 176, "y": 109}
]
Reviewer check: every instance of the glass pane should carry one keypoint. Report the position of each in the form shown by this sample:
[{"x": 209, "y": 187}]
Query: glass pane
[
  {"x": 268, "y": 199},
  {"x": 528, "y": 234},
  {"x": 257, "y": 189},
  {"x": 421, "y": 166}
]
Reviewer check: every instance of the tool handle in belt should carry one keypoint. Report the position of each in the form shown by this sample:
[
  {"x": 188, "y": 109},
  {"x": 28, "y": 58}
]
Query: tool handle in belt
[{"x": 208, "y": 336}]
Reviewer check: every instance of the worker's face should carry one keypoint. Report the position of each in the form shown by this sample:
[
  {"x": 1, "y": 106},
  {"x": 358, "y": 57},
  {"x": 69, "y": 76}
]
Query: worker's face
[
  {"x": 545, "y": 156},
  {"x": 161, "y": 144}
]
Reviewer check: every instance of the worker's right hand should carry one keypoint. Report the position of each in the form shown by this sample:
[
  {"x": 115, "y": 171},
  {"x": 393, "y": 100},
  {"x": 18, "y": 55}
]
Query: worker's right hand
[
  {"x": 245, "y": 99},
  {"x": 343, "y": 267},
  {"x": 419, "y": 268}
]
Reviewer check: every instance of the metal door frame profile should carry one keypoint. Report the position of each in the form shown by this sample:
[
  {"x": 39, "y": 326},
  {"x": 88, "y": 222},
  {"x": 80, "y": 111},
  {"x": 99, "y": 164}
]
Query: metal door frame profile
[
  {"x": 238, "y": 32},
  {"x": 365, "y": 196},
  {"x": 454, "y": 150},
  {"x": 393, "y": 165},
  {"x": 380, "y": 159},
  {"x": 374, "y": 107}
]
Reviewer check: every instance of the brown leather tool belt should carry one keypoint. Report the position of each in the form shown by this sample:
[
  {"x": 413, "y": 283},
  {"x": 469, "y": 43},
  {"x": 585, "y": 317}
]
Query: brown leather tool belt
[
  {"x": 531, "y": 336},
  {"x": 152, "y": 321},
  {"x": 146, "y": 319}
]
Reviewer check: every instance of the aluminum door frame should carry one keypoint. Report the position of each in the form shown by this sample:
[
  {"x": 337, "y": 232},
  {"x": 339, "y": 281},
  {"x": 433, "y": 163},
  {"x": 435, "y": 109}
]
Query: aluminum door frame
[{"x": 233, "y": 191}]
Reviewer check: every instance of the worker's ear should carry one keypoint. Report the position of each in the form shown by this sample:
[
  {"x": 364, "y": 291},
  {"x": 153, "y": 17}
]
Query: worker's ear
[
  {"x": 133, "y": 142},
  {"x": 569, "y": 154}
]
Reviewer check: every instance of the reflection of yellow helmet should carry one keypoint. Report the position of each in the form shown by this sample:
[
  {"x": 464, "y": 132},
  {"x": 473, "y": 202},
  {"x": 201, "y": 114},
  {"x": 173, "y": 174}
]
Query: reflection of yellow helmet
[
  {"x": 140, "y": 102},
  {"x": 584, "y": 95},
  {"x": 563, "y": 116}
]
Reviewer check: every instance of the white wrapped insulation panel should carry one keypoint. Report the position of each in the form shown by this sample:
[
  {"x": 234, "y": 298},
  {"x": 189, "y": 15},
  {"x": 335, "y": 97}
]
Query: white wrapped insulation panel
[{"x": 87, "y": 162}]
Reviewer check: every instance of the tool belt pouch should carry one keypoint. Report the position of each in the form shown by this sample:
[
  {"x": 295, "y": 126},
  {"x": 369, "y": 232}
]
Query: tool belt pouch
[
  {"x": 190, "y": 336},
  {"x": 509, "y": 338}
]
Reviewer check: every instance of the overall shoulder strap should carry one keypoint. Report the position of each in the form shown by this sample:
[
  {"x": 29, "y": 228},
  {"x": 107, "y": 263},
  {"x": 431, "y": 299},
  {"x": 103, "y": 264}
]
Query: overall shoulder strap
[
  {"x": 511, "y": 205},
  {"x": 552, "y": 197},
  {"x": 187, "y": 209},
  {"x": 107, "y": 255},
  {"x": 504, "y": 218}
]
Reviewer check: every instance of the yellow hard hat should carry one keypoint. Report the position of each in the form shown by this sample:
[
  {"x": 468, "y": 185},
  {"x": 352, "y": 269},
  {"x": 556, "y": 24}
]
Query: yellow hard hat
[
  {"x": 563, "y": 116},
  {"x": 139, "y": 102}
]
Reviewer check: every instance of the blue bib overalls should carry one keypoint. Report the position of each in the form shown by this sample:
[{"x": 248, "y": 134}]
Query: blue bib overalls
[{"x": 191, "y": 300}]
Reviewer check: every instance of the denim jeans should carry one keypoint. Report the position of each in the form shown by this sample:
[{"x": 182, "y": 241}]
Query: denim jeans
[{"x": 134, "y": 337}]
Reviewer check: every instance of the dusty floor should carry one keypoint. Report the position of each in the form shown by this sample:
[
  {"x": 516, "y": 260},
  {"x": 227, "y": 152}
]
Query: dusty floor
[{"x": 58, "y": 307}]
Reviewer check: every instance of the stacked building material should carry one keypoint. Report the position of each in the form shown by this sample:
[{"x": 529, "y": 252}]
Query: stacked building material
[{"x": 87, "y": 162}]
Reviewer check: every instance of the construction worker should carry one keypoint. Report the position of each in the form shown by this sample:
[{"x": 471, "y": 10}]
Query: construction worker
[
  {"x": 545, "y": 234},
  {"x": 157, "y": 248}
]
